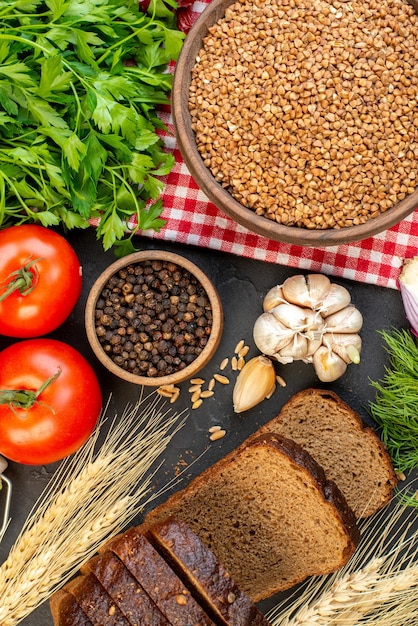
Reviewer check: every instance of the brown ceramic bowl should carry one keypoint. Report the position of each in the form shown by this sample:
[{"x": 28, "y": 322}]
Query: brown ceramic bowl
[
  {"x": 220, "y": 196},
  {"x": 213, "y": 337}
]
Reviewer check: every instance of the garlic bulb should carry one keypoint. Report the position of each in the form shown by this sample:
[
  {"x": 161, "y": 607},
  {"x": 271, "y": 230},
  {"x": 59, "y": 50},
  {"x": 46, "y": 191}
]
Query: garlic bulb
[
  {"x": 309, "y": 318},
  {"x": 255, "y": 382},
  {"x": 408, "y": 282}
]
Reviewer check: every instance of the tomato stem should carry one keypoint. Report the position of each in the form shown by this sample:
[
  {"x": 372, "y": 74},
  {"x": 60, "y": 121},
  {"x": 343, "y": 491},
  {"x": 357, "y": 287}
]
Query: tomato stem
[
  {"x": 26, "y": 398},
  {"x": 23, "y": 280}
]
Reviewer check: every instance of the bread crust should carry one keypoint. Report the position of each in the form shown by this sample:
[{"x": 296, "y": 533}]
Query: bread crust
[
  {"x": 66, "y": 611},
  {"x": 330, "y": 491},
  {"x": 125, "y": 591},
  {"x": 212, "y": 584},
  {"x": 157, "y": 578},
  {"x": 95, "y": 602},
  {"x": 369, "y": 479}
]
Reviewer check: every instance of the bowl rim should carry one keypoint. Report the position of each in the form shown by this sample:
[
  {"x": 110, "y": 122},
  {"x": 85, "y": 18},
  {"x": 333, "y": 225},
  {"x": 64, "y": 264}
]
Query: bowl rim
[
  {"x": 214, "y": 190},
  {"x": 217, "y": 318}
]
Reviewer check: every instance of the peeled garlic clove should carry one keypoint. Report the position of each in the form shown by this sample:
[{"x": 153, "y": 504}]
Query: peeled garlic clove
[
  {"x": 348, "y": 320},
  {"x": 255, "y": 382},
  {"x": 290, "y": 315},
  {"x": 346, "y": 345},
  {"x": 295, "y": 350},
  {"x": 273, "y": 298},
  {"x": 318, "y": 288},
  {"x": 328, "y": 365},
  {"x": 270, "y": 335},
  {"x": 408, "y": 283},
  {"x": 337, "y": 298}
]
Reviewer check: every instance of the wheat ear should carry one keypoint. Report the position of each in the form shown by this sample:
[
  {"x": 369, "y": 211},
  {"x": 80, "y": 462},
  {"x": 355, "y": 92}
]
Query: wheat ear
[
  {"x": 91, "y": 496},
  {"x": 378, "y": 586}
]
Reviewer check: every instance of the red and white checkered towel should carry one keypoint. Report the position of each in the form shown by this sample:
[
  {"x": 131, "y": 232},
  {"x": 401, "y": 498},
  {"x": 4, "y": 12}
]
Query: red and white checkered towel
[{"x": 192, "y": 219}]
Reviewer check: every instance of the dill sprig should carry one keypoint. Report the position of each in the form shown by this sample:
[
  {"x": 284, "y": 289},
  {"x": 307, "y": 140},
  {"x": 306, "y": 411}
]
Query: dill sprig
[{"x": 395, "y": 408}]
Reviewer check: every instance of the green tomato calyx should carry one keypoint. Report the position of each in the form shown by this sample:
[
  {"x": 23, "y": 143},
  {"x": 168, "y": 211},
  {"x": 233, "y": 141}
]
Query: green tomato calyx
[
  {"x": 23, "y": 280},
  {"x": 25, "y": 398}
]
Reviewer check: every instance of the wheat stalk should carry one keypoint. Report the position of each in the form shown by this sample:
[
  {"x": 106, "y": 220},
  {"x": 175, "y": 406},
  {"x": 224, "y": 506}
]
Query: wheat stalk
[
  {"x": 91, "y": 496},
  {"x": 378, "y": 586}
]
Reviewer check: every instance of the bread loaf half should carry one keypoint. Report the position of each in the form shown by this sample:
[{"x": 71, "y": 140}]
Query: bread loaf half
[
  {"x": 351, "y": 454},
  {"x": 269, "y": 515}
]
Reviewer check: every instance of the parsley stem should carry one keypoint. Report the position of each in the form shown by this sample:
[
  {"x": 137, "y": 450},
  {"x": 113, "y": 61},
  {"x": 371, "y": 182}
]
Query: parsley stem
[
  {"x": 119, "y": 43},
  {"x": 27, "y": 42}
]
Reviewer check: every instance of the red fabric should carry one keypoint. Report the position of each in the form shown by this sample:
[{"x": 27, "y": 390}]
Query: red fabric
[{"x": 192, "y": 219}]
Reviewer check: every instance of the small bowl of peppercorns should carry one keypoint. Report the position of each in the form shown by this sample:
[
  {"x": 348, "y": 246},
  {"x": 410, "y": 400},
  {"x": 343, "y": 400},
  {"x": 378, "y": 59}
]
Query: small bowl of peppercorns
[{"x": 153, "y": 318}]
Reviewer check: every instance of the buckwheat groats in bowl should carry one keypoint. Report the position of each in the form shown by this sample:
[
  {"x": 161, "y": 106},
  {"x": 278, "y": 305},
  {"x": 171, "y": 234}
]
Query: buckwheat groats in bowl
[{"x": 299, "y": 118}]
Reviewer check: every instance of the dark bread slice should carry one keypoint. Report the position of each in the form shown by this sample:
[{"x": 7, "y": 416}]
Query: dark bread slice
[
  {"x": 352, "y": 455},
  {"x": 269, "y": 515},
  {"x": 66, "y": 611},
  {"x": 95, "y": 602},
  {"x": 157, "y": 578},
  {"x": 125, "y": 591},
  {"x": 201, "y": 571}
]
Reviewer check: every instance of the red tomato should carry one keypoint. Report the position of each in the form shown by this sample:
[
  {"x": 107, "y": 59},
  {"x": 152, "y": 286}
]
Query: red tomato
[
  {"x": 47, "y": 261},
  {"x": 64, "y": 413}
]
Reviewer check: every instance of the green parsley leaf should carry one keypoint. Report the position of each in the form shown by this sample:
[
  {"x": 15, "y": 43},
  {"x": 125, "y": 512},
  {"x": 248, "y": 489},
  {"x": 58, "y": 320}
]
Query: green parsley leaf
[{"x": 79, "y": 84}]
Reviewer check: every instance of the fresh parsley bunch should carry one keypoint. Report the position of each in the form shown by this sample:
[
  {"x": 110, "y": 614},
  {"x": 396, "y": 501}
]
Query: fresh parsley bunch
[{"x": 79, "y": 84}]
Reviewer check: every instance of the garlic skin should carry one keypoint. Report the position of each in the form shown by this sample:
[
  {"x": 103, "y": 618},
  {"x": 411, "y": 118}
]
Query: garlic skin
[
  {"x": 270, "y": 335},
  {"x": 346, "y": 345},
  {"x": 348, "y": 320},
  {"x": 312, "y": 320},
  {"x": 308, "y": 291},
  {"x": 255, "y": 382},
  {"x": 296, "y": 350},
  {"x": 336, "y": 299},
  {"x": 328, "y": 365},
  {"x": 408, "y": 283},
  {"x": 318, "y": 287},
  {"x": 291, "y": 315},
  {"x": 273, "y": 298}
]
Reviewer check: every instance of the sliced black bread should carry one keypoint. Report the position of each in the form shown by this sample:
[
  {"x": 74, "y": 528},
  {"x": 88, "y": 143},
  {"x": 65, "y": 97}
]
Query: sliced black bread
[
  {"x": 351, "y": 453},
  {"x": 125, "y": 591},
  {"x": 157, "y": 578},
  {"x": 95, "y": 602},
  {"x": 66, "y": 611},
  {"x": 201, "y": 571},
  {"x": 269, "y": 515}
]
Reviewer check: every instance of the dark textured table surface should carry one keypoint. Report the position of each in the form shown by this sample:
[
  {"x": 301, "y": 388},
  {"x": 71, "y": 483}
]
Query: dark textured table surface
[{"x": 241, "y": 284}]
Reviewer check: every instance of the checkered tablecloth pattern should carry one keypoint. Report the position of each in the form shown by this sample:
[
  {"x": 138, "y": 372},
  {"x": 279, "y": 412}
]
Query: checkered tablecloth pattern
[{"x": 192, "y": 219}]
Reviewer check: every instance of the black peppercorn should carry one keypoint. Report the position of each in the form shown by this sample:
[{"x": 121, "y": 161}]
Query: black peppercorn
[{"x": 153, "y": 318}]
